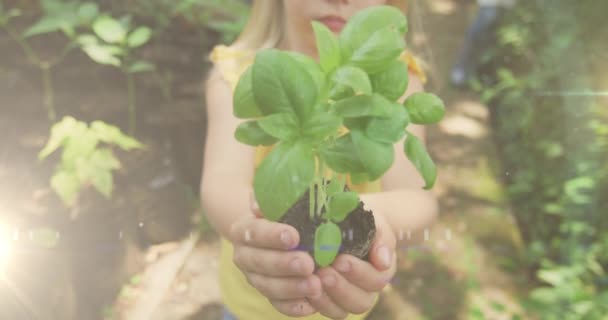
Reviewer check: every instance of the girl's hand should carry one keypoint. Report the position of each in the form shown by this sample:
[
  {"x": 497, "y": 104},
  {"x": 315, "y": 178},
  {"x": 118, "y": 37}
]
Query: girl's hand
[
  {"x": 350, "y": 285},
  {"x": 262, "y": 253}
]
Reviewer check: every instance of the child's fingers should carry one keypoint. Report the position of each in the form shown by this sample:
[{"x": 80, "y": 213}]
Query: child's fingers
[
  {"x": 293, "y": 308},
  {"x": 363, "y": 274},
  {"x": 382, "y": 254},
  {"x": 264, "y": 233},
  {"x": 285, "y": 288},
  {"x": 343, "y": 293},
  {"x": 325, "y": 306},
  {"x": 273, "y": 262}
]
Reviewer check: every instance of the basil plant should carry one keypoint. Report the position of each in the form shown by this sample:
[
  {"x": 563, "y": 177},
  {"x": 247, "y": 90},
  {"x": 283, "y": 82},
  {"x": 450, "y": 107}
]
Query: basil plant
[{"x": 341, "y": 115}]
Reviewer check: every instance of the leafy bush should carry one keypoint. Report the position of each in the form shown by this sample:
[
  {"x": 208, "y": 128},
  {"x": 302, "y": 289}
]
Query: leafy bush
[
  {"x": 83, "y": 161},
  {"x": 224, "y": 17},
  {"x": 552, "y": 133}
]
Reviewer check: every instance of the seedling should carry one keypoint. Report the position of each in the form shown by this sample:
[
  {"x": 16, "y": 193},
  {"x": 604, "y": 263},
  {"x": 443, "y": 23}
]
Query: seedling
[
  {"x": 113, "y": 43},
  {"x": 85, "y": 160},
  {"x": 332, "y": 121},
  {"x": 59, "y": 16}
]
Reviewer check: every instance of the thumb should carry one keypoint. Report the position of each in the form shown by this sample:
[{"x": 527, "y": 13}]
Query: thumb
[
  {"x": 255, "y": 208},
  {"x": 383, "y": 247}
]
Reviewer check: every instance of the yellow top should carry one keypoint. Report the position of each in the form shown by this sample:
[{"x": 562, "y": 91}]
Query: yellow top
[{"x": 243, "y": 300}]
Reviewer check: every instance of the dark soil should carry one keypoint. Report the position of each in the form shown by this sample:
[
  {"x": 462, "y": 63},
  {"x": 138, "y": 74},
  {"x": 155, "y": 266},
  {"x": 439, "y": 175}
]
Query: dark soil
[{"x": 358, "y": 229}]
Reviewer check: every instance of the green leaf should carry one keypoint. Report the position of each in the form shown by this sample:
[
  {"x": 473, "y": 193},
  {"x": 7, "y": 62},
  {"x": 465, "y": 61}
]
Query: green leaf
[
  {"x": 359, "y": 177},
  {"x": 372, "y": 36},
  {"x": 312, "y": 67},
  {"x": 335, "y": 186},
  {"x": 283, "y": 126},
  {"x": 341, "y": 205},
  {"x": 349, "y": 79},
  {"x": 113, "y": 135},
  {"x": 388, "y": 130},
  {"x": 49, "y": 24},
  {"x": 377, "y": 54},
  {"x": 376, "y": 157},
  {"x": 139, "y": 37},
  {"x": 365, "y": 23},
  {"x": 283, "y": 177},
  {"x": 103, "y": 182},
  {"x": 328, "y": 47},
  {"x": 99, "y": 160},
  {"x": 88, "y": 11},
  {"x": 244, "y": 101},
  {"x": 341, "y": 156},
  {"x": 109, "y": 29},
  {"x": 320, "y": 125},
  {"x": 250, "y": 133},
  {"x": 53, "y": 7},
  {"x": 282, "y": 85},
  {"x": 66, "y": 185},
  {"x": 140, "y": 66},
  {"x": 103, "y": 54},
  {"x": 364, "y": 106},
  {"x": 417, "y": 154},
  {"x": 86, "y": 40},
  {"x": 424, "y": 108},
  {"x": 60, "y": 132},
  {"x": 328, "y": 239},
  {"x": 392, "y": 82},
  {"x": 80, "y": 146},
  {"x": 359, "y": 123}
]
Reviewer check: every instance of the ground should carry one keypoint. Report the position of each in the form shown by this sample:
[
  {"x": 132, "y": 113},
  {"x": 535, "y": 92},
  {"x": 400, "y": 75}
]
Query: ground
[{"x": 142, "y": 255}]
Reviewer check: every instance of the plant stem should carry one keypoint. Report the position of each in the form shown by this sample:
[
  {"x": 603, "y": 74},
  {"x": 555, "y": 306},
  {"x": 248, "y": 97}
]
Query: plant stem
[
  {"x": 131, "y": 101},
  {"x": 29, "y": 52},
  {"x": 311, "y": 201},
  {"x": 321, "y": 188},
  {"x": 49, "y": 94}
]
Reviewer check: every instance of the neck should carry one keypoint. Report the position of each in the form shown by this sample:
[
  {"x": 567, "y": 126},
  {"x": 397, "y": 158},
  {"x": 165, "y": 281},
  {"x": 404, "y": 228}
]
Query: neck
[{"x": 291, "y": 44}]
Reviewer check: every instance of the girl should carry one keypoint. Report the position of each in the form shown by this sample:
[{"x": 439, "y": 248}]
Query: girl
[{"x": 260, "y": 277}]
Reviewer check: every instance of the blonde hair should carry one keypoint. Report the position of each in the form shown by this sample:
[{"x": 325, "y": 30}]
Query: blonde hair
[{"x": 266, "y": 25}]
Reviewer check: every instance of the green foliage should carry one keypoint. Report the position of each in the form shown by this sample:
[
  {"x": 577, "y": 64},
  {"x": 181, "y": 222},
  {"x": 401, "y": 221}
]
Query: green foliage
[
  {"x": 424, "y": 108},
  {"x": 300, "y": 105},
  {"x": 226, "y": 18},
  {"x": 84, "y": 161},
  {"x": 415, "y": 151},
  {"x": 283, "y": 178},
  {"x": 552, "y": 135},
  {"x": 7, "y": 15},
  {"x": 328, "y": 239},
  {"x": 63, "y": 16},
  {"x": 113, "y": 42}
]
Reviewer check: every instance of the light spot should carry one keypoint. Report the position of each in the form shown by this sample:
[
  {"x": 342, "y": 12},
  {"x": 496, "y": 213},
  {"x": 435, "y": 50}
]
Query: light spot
[{"x": 462, "y": 126}]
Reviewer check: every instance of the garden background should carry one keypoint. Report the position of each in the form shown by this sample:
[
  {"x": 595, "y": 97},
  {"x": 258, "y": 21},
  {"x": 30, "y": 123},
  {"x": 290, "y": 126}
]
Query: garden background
[{"x": 97, "y": 223}]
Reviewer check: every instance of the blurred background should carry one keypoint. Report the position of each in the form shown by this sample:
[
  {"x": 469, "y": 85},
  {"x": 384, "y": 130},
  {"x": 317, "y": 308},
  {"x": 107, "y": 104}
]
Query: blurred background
[{"x": 102, "y": 123}]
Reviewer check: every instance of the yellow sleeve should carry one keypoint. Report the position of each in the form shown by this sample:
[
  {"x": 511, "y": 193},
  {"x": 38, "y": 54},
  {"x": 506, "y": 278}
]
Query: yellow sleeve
[
  {"x": 231, "y": 62},
  {"x": 414, "y": 65}
]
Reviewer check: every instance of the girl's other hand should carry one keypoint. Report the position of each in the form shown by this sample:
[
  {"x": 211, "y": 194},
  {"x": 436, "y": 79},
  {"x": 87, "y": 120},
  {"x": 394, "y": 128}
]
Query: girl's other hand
[
  {"x": 350, "y": 284},
  {"x": 262, "y": 251}
]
